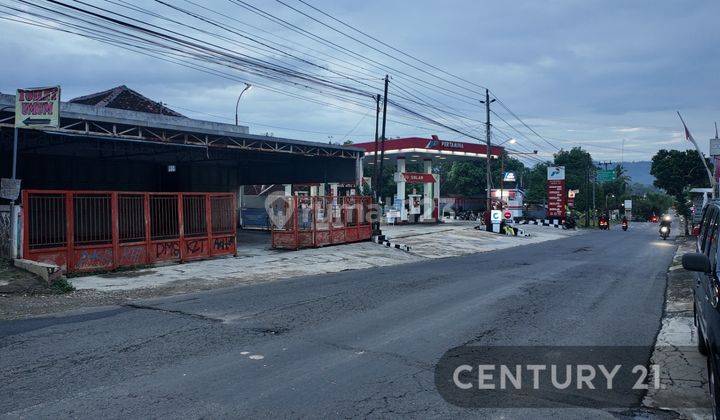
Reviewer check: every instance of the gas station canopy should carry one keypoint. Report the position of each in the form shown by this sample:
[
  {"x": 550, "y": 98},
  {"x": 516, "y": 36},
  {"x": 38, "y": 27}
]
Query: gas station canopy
[
  {"x": 433, "y": 148},
  {"x": 425, "y": 207}
]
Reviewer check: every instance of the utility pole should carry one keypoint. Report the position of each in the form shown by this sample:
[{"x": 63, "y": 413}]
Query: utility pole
[
  {"x": 379, "y": 165},
  {"x": 13, "y": 216},
  {"x": 375, "y": 157},
  {"x": 502, "y": 179},
  {"x": 382, "y": 139},
  {"x": 593, "y": 198},
  {"x": 587, "y": 195},
  {"x": 716, "y": 161},
  {"x": 488, "y": 182}
]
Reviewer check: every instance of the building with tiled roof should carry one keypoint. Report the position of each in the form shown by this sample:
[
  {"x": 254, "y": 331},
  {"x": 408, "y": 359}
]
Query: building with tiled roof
[{"x": 122, "y": 97}]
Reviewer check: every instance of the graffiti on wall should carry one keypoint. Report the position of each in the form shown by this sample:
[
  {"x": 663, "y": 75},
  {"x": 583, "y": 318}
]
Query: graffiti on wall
[
  {"x": 134, "y": 255},
  {"x": 166, "y": 250},
  {"x": 94, "y": 258},
  {"x": 195, "y": 246},
  {"x": 224, "y": 244}
]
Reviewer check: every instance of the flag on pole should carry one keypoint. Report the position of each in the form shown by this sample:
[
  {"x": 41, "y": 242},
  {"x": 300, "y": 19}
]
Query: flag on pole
[
  {"x": 691, "y": 139},
  {"x": 688, "y": 136}
]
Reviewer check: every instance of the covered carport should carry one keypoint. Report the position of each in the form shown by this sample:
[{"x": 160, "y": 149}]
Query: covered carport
[{"x": 118, "y": 150}]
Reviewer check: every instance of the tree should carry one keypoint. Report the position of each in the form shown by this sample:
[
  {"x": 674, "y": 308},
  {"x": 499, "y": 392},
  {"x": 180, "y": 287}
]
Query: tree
[
  {"x": 652, "y": 203},
  {"x": 536, "y": 183},
  {"x": 467, "y": 178},
  {"x": 464, "y": 178},
  {"x": 677, "y": 171},
  {"x": 577, "y": 163}
]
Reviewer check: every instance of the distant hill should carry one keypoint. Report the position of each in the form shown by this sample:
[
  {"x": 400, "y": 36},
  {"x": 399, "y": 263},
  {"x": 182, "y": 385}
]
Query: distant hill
[{"x": 639, "y": 172}]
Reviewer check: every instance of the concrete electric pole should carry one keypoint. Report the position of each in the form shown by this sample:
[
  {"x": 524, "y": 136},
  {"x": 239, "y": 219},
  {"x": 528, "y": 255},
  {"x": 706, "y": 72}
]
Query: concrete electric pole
[
  {"x": 379, "y": 165},
  {"x": 382, "y": 141},
  {"x": 488, "y": 175}
]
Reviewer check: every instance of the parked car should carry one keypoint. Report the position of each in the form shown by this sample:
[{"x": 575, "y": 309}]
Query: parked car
[{"x": 707, "y": 296}]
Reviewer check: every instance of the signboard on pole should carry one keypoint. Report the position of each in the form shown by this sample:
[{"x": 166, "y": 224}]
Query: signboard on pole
[
  {"x": 509, "y": 177},
  {"x": 556, "y": 173},
  {"x": 571, "y": 197},
  {"x": 606, "y": 175},
  {"x": 418, "y": 177},
  {"x": 715, "y": 147},
  {"x": 556, "y": 192},
  {"x": 9, "y": 188},
  {"x": 628, "y": 205},
  {"x": 37, "y": 107}
]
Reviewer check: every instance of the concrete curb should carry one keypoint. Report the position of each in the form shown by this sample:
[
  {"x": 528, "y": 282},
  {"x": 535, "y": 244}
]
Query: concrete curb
[
  {"x": 683, "y": 376},
  {"x": 47, "y": 272},
  {"x": 390, "y": 244},
  {"x": 547, "y": 223}
]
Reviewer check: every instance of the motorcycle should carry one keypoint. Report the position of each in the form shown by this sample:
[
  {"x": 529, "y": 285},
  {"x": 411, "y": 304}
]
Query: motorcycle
[
  {"x": 624, "y": 226},
  {"x": 603, "y": 224},
  {"x": 664, "y": 232}
]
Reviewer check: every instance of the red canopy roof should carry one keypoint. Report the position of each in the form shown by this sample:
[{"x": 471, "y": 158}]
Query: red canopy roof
[{"x": 430, "y": 146}]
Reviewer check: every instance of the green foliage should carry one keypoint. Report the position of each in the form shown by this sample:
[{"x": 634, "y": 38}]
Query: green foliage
[
  {"x": 535, "y": 183},
  {"x": 464, "y": 178},
  {"x": 646, "y": 205},
  {"x": 676, "y": 171},
  {"x": 62, "y": 285},
  {"x": 578, "y": 163}
]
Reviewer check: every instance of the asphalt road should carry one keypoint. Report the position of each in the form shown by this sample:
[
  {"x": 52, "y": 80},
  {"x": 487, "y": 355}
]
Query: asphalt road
[{"x": 351, "y": 344}]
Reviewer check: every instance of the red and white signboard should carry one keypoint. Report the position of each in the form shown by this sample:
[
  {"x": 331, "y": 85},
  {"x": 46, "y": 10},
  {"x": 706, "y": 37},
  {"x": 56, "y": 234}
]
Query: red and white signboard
[
  {"x": 556, "y": 192},
  {"x": 571, "y": 198},
  {"x": 418, "y": 177},
  {"x": 37, "y": 107},
  {"x": 507, "y": 215}
]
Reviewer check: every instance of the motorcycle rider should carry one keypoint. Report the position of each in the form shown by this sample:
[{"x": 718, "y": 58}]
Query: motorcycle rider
[
  {"x": 625, "y": 222},
  {"x": 665, "y": 222},
  {"x": 603, "y": 222}
]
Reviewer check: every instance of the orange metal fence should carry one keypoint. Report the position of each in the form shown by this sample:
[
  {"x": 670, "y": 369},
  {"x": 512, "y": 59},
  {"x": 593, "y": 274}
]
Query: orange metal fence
[
  {"x": 303, "y": 222},
  {"x": 103, "y": 230}
]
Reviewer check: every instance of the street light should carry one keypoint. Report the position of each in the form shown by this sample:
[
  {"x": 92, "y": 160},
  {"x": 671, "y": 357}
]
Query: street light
[
  {"x": 248, "y": 86},
  {"x": 510, "y": 140},
  {"x": 606, "y": 200}
]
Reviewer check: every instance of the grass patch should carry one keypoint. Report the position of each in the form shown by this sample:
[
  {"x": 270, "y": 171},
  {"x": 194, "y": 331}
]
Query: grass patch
[{"x": 62, "y": 285}]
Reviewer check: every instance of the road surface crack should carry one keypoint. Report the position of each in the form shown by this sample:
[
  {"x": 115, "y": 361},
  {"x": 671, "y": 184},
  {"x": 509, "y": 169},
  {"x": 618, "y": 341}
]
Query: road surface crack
[{"x": 173, "y": 311}]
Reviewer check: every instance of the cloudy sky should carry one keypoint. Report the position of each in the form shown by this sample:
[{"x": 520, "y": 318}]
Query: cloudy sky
[{"x": 589, "y": 73}]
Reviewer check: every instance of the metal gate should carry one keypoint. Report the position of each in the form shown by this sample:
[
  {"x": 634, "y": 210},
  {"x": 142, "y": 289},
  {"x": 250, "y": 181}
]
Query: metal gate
[
  {"x": 302, "y": 221},
  {"x": 103, "y": 230}
]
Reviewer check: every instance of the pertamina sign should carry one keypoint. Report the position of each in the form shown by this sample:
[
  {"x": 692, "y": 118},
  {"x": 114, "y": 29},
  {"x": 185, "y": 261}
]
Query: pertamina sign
[
  {"x": 37, "y": 107},
  {"x": 556, "y": 192}
]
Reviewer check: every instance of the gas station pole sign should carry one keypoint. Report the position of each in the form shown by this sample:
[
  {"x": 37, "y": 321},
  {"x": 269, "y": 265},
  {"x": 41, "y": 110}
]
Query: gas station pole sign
[{"x": 556, "y": 192}]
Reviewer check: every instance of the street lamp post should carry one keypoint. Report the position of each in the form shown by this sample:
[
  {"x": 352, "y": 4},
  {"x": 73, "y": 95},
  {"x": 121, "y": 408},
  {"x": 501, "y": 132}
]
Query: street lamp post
[
  {"x": 248, "y": 86},
  {"x": 606, "y": 201}
]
